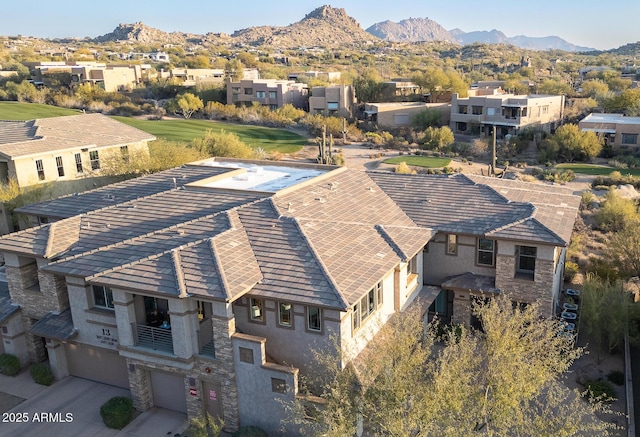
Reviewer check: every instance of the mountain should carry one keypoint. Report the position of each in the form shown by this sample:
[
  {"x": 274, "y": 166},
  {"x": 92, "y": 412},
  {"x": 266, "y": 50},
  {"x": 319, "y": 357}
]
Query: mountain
[
  {"x": 411, "y": 29},
  {"x": 526, "y": 42},
  {"x": 325, "y": 26},
  {"x": 141, "y": 33}
]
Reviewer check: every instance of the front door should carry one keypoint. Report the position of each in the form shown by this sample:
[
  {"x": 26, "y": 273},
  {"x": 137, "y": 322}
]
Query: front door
[{"x": 212, "y": 401}]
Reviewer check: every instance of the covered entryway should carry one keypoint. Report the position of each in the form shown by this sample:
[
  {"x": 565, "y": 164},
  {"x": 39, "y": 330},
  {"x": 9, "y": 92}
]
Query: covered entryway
[
  {"x": 96, "y": 364},
  {"x": 212, "y": 401},
  {"x": 168, "y": 391}
]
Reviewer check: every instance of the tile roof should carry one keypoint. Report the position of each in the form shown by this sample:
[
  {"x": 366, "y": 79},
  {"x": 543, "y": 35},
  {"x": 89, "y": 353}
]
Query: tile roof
[
  {"x": 451, "y": 203},
  {"x": 556, "y": 207},
  {"x": 16, "y": 131},
  {"x": 7, "y": 309},
  {"x": 71, "y": 132},
  {"x": 471, "y": 282},
  {"x": 58, "y": 326},
  {"x": 121, "y": 192}
]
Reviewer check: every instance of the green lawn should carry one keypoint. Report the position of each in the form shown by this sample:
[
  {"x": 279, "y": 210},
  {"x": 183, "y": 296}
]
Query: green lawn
[
  {"x": 29, "y": 111},
  {"x": 420, "y": 161},
  {"x": 269, "y": 139},
  {"x": 597, "y": 170}
]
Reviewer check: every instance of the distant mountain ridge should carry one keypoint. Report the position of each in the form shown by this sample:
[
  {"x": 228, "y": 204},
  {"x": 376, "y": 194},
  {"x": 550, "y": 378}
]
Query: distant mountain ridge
[
  {"x": 331, "y": 27},
  {"x": 526, "y": 42},
  {"x": 411, "y": 29}
]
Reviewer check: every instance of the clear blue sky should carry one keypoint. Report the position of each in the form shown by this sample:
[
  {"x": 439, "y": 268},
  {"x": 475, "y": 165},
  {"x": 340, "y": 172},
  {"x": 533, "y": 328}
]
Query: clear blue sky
[{"x": 592, "y": 23}]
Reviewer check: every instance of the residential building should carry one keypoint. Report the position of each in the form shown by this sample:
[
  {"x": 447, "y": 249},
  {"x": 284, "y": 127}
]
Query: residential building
[
  {"x": 338, "y": 100},
  {"x": 63, "y": 148},
  {"x": 329, "y": 76},
  {"x": 507, "y": 113},
  {"x": 401, "y": 114},
  {"x": 210, "y": 287},
  {"x": 398, "y": 90},
  {"x": 618, "y": 130},
  {"x": 110, "y": 78},
  {"x": 273, "y": 93},
  {"x": 207, "y": 76}
]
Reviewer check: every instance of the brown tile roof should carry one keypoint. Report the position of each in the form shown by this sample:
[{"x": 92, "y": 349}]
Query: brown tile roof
[
  {"x": 470, "y": 204},
  {"x": 7, "y": 309},
  {"x": 58, "y": 326},
  {"x": 471, "y": 282},
  {"x": 121, "y": 192},
  {"x": 16, "y": 131},
  {"x": 556, "y": 207},
  {"x": 72, "y": 132}
]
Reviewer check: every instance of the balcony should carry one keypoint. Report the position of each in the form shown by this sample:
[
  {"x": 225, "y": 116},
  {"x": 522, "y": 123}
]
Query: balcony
[
  {"x": 159, "y": 339},
  {"x": 206, "y": 346}
]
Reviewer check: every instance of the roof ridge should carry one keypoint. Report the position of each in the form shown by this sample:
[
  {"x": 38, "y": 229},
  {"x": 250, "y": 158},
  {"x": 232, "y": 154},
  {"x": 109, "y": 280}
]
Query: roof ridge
[
  {"x": 179, "y": 273},
  {"x": 218, "y": 263},
  {"x": 321, "y": 264},
  {"x": 390, "y": 241},
  {"x": 50, "y": 237}
]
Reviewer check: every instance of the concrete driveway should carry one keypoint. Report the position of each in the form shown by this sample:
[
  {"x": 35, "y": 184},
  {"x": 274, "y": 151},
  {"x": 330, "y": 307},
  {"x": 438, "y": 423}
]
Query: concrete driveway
[{"x": 71, "y": 407}]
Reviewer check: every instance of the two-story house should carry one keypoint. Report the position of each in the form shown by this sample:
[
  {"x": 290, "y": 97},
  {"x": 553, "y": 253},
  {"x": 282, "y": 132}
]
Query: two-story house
[
  {"x": 337, "y": 100},
  {"x": 213, "y": 287},
  {"x": 273, "y": 93},
  {"x": 507, "y": 113}
]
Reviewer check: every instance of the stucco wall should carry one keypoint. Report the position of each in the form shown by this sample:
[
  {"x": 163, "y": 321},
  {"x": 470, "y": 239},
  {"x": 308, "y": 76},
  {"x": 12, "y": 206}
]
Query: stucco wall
[{"x": 438, "y": 265}]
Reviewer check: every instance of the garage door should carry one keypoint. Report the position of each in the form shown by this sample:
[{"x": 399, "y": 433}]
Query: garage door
[
  {"x": 96, "y": 364},
  {"x": 169, "y": 391},
  {"x": 401, "y": 119}
]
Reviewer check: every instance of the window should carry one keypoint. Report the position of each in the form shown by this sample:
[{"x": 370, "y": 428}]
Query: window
[
  {"x": 545, "y": 110},
  {"x": 452, "y": 244},
  {"x": 630, "y": 139},
  {"x": 278, "y": 385},
  {"x": 79, "y": 168},
  {"x": 314, "y": 319},
  {"x": 476, "y": 110},
  {"x": 284, "y": 315},
  {"x": 205, "y": 310},
  {"x": 486, "y": 252},
  {"x": 491, "y": 111},
  {"x": 261, "y": 94},
  {"x": 124, "y": 153},
  {"x": 102, "y": 297},
  {"x": 246, "y": 355},
  {"x": 248, "y": 91},
  {"x": 367, "y": 305},
  {"x": 461, "y": 126},
  {"x": 525, "y": 261},
  {"x": 273, "y": 106},
  {"x": 95, "y": 160},
  {"x": 462, "y": 109},
  {"x": 332, "y": 106},
  {"x": 273, "y": 95},
  {"x": 60, "y": 166},
  {"x": 43, "y": 220},
  {"x": 40, "y": 169},
  {"x": 256, "y": 309},
  {"x": 412, "y": 269}
]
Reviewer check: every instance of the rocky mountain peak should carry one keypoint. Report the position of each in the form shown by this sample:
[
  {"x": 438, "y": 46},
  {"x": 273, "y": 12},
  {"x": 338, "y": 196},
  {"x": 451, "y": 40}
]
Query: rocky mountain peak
[{"x": 332, "y": 15}]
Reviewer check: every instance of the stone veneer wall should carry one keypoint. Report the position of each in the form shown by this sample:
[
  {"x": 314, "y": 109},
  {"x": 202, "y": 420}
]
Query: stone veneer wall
[
  {"x": 525, "y": 290},
  {"x": 35, "y": 344},
  {"x": 220, "y": 370},
  {"x": 461, "y": 308}
]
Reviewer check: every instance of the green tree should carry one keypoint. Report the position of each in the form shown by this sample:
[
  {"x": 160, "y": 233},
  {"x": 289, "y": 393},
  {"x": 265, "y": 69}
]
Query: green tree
[
  {"x": 185, "y": 104},
  {"x": 426, "y": 118},
  {"x": 554, "y": 87},
  {"x": 222, "y": 143},
  {"x": 594, "y": 88},
  {"x": 437, "y": 138},
  {"x": 368, "y": 86},
  {"x": 233, "y": 70},
  {"x": 574, "y": 144},
  {"x": 615, "y": 212},
  {"x": 607, "y": 311},
  {"x": 504, "y": 380},
  {"x": 623, "y": 248}
]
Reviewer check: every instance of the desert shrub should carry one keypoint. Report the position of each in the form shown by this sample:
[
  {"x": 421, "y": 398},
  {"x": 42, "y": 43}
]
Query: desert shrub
[
  {"x": 223, "y": 143},
  {"x": 117, "y": 412},
  {"x": 41, "y": 373},
  {"x": 615, "y": 212},
  {"x": 403, "y": 168},
  {"x": 602, "y": 268},
  {"x": 9, "y": 364},
  {"x": 586, "y": 199},
  {"x": 250, "y": 431},
  {"x": 616, "y": 376},
  {"x": 571, "y": 269},
  {"x": 204, "y": 426},
  {"x": 599, "y": 389}
]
